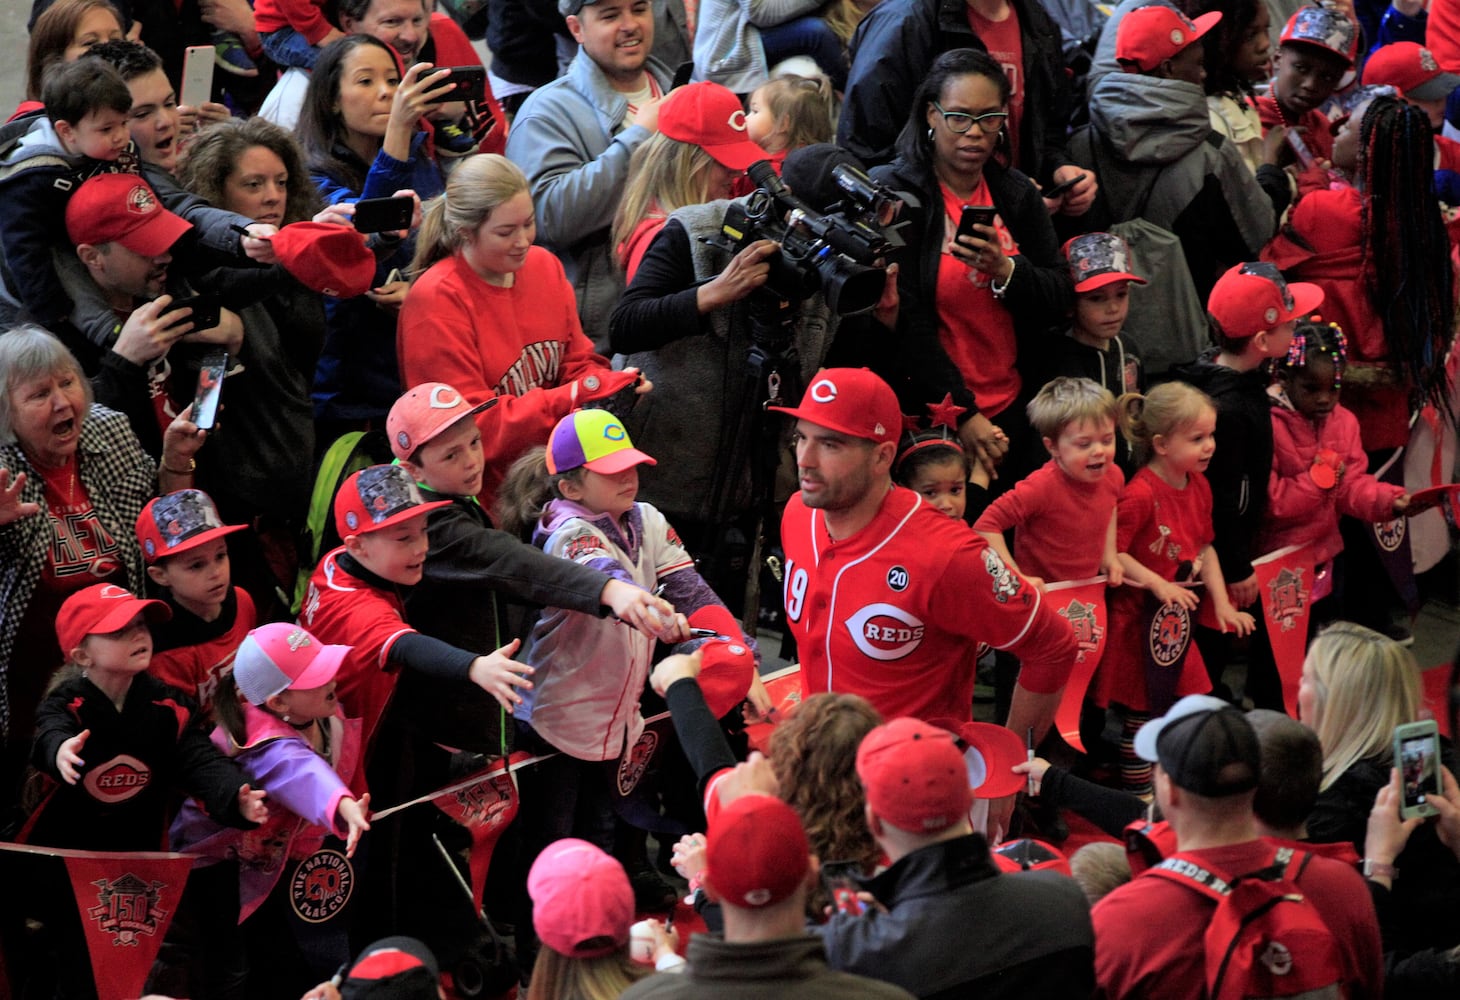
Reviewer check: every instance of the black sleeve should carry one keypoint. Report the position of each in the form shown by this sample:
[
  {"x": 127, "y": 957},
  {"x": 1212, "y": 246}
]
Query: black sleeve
[
  {"x": 122, "y": 386},
  {"x": 432, "y": 657},
  {"x": 659, "y": 306},
  {"x": 210, "y": 777},
  {"x": 1108, "y": 808},
  {"x": 1274, "y": 182},
  {"x": 54, "y": 725},
  {"x": 1227, "y": 474},
  {"x": 700, "y": 735}
]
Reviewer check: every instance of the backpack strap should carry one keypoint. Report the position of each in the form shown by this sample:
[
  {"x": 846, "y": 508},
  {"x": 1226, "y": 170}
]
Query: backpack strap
[{"x": 1218, "y": 884}]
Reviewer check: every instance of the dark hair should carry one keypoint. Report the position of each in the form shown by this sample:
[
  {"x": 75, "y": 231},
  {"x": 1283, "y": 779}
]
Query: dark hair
[
  {"x": 74, "y": 90},
  {"x": 321, "y": 129},
  {"x": 1230, "y": 344},
  {"x": 918, "y": 451},
  {"x": 214, "y": 153},
  {"x": 1406, "y": 251},
  {"x": 357, "y": 9},
  {"x": 1292, "y": 769},
  {"x": 1220, "y": 45},
  {"x": 526, "y": 491},
  {"x": 130, "y": 59},
  {"x": 912, "y": 144},
  {"x": 51, "y": 36},
  {"x": 227, "y": 710}
]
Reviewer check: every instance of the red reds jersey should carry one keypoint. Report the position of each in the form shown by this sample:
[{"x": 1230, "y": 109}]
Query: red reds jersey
[
  {"x": 895, "y": 612},
  {"x": 345, "y": 610},
  {"x": 196, "y": 669}
]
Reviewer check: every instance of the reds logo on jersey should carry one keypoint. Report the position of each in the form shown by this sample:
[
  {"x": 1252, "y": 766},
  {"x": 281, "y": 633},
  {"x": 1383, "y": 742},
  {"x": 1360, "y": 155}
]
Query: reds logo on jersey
[
  {"x": 884, "y": 632},
  {"x": 118, "y": 779}
]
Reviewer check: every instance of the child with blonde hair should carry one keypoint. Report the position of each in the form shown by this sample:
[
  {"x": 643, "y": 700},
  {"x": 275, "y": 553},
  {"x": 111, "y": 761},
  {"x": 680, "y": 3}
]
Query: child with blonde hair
[{"x": 791, "y": 111}]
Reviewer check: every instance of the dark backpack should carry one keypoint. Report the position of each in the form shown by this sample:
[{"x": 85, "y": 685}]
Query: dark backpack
[{"x": 1265, "y": 939}]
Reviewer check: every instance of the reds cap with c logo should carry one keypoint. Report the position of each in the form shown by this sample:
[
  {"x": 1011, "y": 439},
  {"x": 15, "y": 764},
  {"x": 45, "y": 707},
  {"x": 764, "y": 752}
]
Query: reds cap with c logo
[
  {"x": 594, "y": 440},
  {"x": 850, "y": 400},
  {"x": 102, "y": 608},
  {"x": 121, "y": 208},
  {"x": 711, "y": 117},
  {"x": 184, "y": 519},
  {"x": 423, "y": 413}
]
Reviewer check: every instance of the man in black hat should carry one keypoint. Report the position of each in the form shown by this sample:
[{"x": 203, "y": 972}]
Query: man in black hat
[{"x": 1150, "y": 933}]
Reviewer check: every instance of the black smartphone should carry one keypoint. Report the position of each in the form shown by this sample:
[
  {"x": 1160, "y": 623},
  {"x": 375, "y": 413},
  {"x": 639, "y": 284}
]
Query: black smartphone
[
  {"x": 842, "y": 887},
  {"x": 621, "y": 403},
  {"x": 471, "y": 84},
  {"x": 1417, "y": 755},
  {"x": 379, "y": 215},
  {"x": 207, "y": 309},
  {"x": 1061, "y": 187},
  {"x": 682, "y": 75},
  {"x": 975, "y": 215},
  {"x": 210, "y": 388}
]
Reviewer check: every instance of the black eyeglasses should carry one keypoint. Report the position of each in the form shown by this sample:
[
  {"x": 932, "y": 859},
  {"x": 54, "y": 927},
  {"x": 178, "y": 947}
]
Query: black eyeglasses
[{"x": 959, "y": 122}]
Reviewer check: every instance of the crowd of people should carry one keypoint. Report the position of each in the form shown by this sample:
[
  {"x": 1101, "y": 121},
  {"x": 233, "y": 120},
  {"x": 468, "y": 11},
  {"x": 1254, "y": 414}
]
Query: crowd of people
[{"x": 403, "y": 463}]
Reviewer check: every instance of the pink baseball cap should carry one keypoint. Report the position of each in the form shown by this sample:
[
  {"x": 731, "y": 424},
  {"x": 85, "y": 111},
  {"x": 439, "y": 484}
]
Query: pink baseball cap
[
  {"x": 582, "y": 903},
  {"x": 281, "y": 656},
  {"x": 914, "y": 775},
  {"x": 378, "y": 497},
  {"x": 102, "y": 608},
  {"x": 853, "y": 401},
  {"x": 184, "y": 519},
  {"x": 756, "y": 852},
  {"x": 424, "y": 412}
]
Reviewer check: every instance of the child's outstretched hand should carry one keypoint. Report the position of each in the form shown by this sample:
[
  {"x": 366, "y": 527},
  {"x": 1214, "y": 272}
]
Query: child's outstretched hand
[
  {"x": 251, "y": 804},
  {"x": 353, "y": 813},
  {"x": 636, "y": 606},
  {"x": 673, "y": 668},
  {"x": 68, "y": 757},
  {"x": 1170, "y": 593},
  {"x": 1236, "y": 621},
  {"x": 498, "y": 675}
]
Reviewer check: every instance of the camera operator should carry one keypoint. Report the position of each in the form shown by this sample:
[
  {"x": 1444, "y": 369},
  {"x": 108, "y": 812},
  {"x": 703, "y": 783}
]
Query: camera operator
[{"x": 696, "y": 319}]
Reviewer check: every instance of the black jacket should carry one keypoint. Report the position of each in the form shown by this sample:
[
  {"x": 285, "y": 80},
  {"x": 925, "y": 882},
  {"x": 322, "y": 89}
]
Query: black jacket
[{"x": 897, "y": 42}]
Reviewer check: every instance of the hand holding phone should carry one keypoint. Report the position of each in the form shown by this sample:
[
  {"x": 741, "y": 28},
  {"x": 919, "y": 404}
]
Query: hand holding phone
[
  {"x": 380, "y": 215},
  {"x": 1059, "y": 189},
  {"x": 471, "y": 84},
  {"x": 842, "y": 887},
  {"x": 1417, "y": 756},
  {"x": 974, "y": 215},
  {"x": 207, "y": 310}
]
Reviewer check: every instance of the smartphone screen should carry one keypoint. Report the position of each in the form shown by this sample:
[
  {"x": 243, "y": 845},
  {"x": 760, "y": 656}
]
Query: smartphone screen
[
  {"x": 197, "y": 82},
  {"x": 975, "y": 215},
  {"x": 210, "y": 388},
  {"x": 842, "y": 887},
  {"x": 1417, "y": 755},
  {"x": 471, "y": 84}
]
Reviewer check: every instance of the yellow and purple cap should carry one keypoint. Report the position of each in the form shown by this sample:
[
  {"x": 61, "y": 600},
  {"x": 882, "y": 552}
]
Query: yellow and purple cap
[{"x": 595, "y": 440}]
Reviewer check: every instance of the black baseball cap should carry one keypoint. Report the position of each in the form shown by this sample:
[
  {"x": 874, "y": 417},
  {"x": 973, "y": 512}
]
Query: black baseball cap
[{"x": 1204, "y": 745}]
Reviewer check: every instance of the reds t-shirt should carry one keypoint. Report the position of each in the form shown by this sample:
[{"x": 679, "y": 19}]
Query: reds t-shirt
[
  {"x": 895, "y": 612},
  {"x": 1005, "y": 44},
  {"x": 193, "y": 655},
  {"x": 82, "y": 552}
]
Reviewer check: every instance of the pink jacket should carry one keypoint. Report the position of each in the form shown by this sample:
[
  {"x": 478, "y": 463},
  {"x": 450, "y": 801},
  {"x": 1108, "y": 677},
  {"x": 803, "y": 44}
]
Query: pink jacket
[{"x": 1298, "y": 510}]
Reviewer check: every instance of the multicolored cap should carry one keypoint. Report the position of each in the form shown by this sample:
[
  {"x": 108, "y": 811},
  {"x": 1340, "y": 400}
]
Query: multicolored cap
[
  {"x": 1097, "y": 260},
  {"x": 593, "y": 440},
  {"x": 1324, "y": 28},
  {"x": 377, "y": 497},
  {"x": 172, "y": 524}
]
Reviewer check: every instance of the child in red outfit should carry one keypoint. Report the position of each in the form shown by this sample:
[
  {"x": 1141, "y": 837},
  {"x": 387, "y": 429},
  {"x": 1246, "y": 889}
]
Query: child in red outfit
[
  {"x": 1316, "y": 49},
  {"x": 1164, "y": 536}
]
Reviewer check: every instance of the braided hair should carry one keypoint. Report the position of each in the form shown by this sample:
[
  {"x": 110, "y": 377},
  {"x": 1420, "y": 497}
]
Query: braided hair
[{"x": 1406, "y": 252}]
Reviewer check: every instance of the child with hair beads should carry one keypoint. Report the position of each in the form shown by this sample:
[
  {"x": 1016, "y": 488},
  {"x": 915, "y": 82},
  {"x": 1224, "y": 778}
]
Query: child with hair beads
[
  {"x": 1164, "y": 536},
  {"x": 182, "y": 539},
  {"x": 279, "y": 719},
  {"x": 933, "y": 464},
  {"x": 790, "y": 111}
]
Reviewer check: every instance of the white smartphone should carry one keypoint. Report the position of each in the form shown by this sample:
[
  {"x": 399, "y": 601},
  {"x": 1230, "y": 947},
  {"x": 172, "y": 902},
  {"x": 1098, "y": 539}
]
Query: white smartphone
[
  {"x": 197, "y": 84},
  {"x": 1417, "y": 755}
]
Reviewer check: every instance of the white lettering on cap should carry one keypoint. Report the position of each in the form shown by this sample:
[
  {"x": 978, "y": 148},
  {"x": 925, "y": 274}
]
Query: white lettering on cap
[
  {"x": 443, "y": 397},
  {"x": 736, "y": 120},
  {"x": 140, "y": 200},
  {"x": 823, "y": 390}
]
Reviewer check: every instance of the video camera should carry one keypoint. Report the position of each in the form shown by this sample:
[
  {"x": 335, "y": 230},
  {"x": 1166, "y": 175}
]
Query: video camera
[{"x": 842, "y": 253}]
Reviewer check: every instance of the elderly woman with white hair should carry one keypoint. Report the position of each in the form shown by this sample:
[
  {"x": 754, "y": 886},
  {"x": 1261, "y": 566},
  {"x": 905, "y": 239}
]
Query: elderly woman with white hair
[{"x": 73, "y": 479}]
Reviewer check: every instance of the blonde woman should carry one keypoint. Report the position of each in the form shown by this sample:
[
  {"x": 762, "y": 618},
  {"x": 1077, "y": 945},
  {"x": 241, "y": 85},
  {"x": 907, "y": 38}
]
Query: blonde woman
[
  {"x": 493, "y": 315},
  {"x": 1357, "y": 686}
]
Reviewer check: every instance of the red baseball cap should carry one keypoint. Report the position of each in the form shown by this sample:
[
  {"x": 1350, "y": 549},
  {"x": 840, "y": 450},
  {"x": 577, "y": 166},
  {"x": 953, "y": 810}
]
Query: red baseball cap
[
  {"x": 1411, "y": 69},
  {"x": 326, "y": 258},
  {"x": 377, "y": 497},
  {"x": 1148, "y": 36},
  {"x": 102, "y": 608},
  {"x": 423, "y": 413},
  {"x": 281, "y": 656},
  {"x": 914, "y": 775},
  {"x": 711, "y": 117},
  {"x": 1323, "y": 28},
  {"x": 184, "y": 519},
  {"x": 1253, "y": 297},
  {"x": 121, "y": 208},
  {"x": 756, "y": 852},
  {"x": 850, "y": 400},
  {"x": 989, "y": 754},
  {"x": 583, "y": 905},
  {"x": 1098, "y": 259},
  {"x": 729, "y": 662}
]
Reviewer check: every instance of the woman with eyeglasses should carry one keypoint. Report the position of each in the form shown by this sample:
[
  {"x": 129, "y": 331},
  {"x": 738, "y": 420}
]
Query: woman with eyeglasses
[{"x": 980, "y": 293}]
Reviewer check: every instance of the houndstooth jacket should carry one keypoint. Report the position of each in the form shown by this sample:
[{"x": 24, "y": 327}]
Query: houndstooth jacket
[{"x": 119, "y": 477}]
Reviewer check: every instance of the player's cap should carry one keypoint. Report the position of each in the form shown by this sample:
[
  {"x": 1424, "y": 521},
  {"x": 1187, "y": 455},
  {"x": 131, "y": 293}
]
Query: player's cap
[
  {"x": 850, "y": 400},
  {"x": 914, "y": 775},
  {"x": 1411, "y": 69},
  {"x": 281, "y": 656},
  {"x": 377, "y": 497},
  {"x": 1204, "y": 745},
  {"x": 583, "y": 905},
  {"x": 121, "y": 208},
  {"x": 1098, "y": 259},
  {"x": 756, "y": 852},
  {"x": 1323, "y": 28},
  {"x": 989, "y": 754},
  {"x": 423, "y": 413},
  {"x": 728, "y": 666},
  {"x": 1253, "y": 297},
  {"x": 393, "y": 968},
  {"x": 326, "y": 258},
  {"x": 1148, "y": 36},
  {"x": 593, "y": 440},
  {"x": 102, "y": 608},
  {"x": 184, "y": 519}
]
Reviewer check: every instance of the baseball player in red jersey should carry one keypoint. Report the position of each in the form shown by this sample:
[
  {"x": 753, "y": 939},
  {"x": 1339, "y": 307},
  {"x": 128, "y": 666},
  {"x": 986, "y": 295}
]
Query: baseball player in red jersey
[{"x": 887, "y": 597}]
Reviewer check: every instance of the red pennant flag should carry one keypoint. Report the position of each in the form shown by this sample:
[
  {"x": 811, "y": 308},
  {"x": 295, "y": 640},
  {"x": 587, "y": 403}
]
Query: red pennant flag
[
  {"x": 126, "y": 901},
  {"x": 484, "y": 807},
  {"x": 1166, "y": 642},
  {"x": 1285, "y": 586},
  {"x": 1082, "y": 604}
]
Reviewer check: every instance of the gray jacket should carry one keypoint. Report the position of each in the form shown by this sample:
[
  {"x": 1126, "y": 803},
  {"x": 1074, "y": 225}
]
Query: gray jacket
[
  {"x": 568, "y": 140},
  {"x": 727, "y": 39}
]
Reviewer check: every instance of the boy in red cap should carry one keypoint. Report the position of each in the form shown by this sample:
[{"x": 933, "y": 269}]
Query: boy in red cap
[
  {"x": 1316, "y": 49},
  {"x": 182, "y": 539}
]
